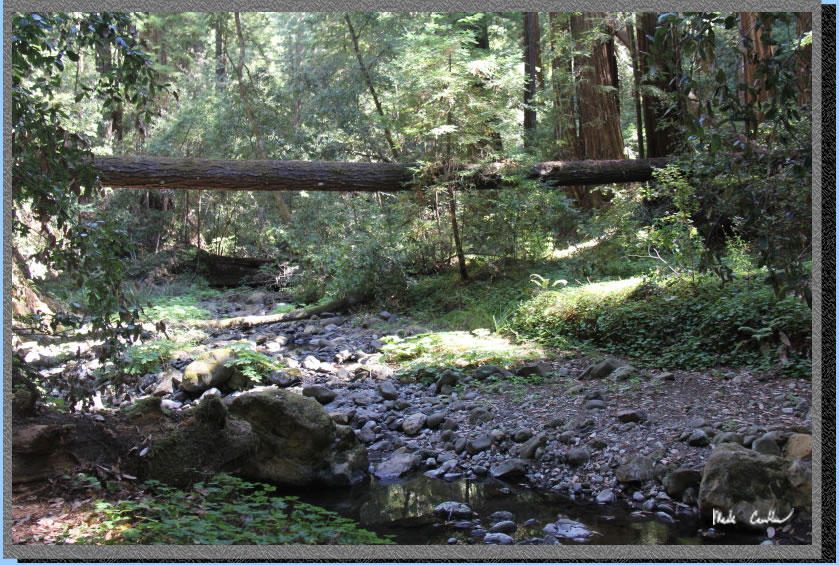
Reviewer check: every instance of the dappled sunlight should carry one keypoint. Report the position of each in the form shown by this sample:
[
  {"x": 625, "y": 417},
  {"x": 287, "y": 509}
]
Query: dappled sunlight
[
  {"x": 456, "y": 348},
  {"x": 572, "y": 250}
]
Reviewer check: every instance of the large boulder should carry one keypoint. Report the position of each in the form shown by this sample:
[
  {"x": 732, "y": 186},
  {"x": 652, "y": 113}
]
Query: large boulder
[
  {"x": 752, "y": 489},
  {"x": 208, "y": 370},
  {"x": 299, "y": 444}
]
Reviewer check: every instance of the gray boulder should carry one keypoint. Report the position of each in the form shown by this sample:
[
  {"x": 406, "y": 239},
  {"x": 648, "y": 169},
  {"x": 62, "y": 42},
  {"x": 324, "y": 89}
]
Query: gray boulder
[
  {"x": 452, "y": 510},
  {"x": 498, "y": 539},
  {"x": 397, "y": 465},
  {"x": 637, "y": 470},
  {"x": 678, "y": 481},
  {"x": 413, "y": 423},
  {"x": 387, "y": 390},
  {"x": 753, "y": 487},
  {"x": 577, "y": 456},
  {"x": 480, "y": 443},
  {"x": 299, "y": 444},
  {"x": 528, "y": 448}
]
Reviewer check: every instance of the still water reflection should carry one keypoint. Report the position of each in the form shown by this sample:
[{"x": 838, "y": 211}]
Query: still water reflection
[{"x": 404, "y": 510}]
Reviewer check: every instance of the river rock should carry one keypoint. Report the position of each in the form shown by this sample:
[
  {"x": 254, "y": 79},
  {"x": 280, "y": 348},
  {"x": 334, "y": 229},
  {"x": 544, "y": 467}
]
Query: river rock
[
  {"x": 479, "y": 415},
  {"x": 577, "y": 456},
  {"x": 310, "y": 363},
  {"x": 567, "y": 529},
  {"x": 678, "y": 481},
  {"x": 387, "y": 390},
  {"x": 299, "y": 444},
  {"x": 541, "y": 368},
  {"x": 320, "y": 393},
  {"x": 452, "y": 510},
  {"x": 698, "y": 438},
  {"x": 595, "y": 405},
  {"x": 413, "y": 423},
  {"x": 727, "y": 437},
  {"x": 639, "y": 469},
  {"x": 601, "y": 370},
  {"x": 504, "y": 527},
  {"x": 480, "y": 443},
  {"x": 446, "y": 378},
  {"x": 752, "y": 487},
  {"x": 367, "y": 433},
  {"x": 208, "y": 370},
  {"x": 498, "y": 539},
  {"x": 167, "y": 382},
  {"x": 528, "y": 448},
  {"x": 624, "y": 373},
  {"x": 522, "y": 435},
  {"x": 631, "y": 416},
  {"x": 284, "y": 379},
  {"x": 766, "y": 446},
  {"x": 501, "y": 516},
  {"x": 509, "y": 469},
  {"x": 485, "y": 371},
  {"x": 606, "y": 496},
  {"x": 799, "y": 446},
  {"x": 434, "y": 420},
  {"x": 397, "y": 465}
]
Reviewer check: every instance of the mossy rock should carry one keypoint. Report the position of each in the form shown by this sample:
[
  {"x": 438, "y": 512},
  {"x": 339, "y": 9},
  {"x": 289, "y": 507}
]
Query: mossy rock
[
  {"x": 208, "y": 370},
  {"x": 149, "y": 406}
]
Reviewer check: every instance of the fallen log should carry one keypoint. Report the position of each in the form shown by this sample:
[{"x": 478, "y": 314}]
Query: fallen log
[
  {"x": 267, "y": 175},
  {"x": 296, "y": 315}
]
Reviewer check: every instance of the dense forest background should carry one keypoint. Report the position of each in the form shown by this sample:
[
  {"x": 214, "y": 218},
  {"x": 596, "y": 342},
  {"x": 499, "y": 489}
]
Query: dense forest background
[
  {"x": 446, "y": 327},
  {"x": 726, "y": 97}
]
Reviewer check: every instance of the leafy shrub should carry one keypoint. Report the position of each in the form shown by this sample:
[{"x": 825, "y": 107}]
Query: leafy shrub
[
  {"x": 252, "y": 364},
  {"x": 149, "y": 357},
  {"x": 224, "y": 510}
]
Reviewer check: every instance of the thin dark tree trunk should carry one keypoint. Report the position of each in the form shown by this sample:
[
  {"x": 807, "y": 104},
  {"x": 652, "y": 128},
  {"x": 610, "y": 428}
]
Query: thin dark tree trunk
[
  {"x": 285, "y": 213},
  {"x": 531, "y": 64},
  {"x": 636, "y": 89},
  {"x": 461, "y": 256},
  {"x": 366, "y": 73},
  {"x": 220, "y": 72}
]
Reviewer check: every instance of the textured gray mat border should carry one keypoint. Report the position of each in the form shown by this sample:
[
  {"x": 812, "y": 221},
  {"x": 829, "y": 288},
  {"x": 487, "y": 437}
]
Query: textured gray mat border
[{"x": 418, "y": 553}]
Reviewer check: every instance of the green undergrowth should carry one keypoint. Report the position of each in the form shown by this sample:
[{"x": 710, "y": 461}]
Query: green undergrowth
[
  {"x": 675, "y": 323},
  {"x": 224, "y": 510},
  {"x": 456, "y": 348}
]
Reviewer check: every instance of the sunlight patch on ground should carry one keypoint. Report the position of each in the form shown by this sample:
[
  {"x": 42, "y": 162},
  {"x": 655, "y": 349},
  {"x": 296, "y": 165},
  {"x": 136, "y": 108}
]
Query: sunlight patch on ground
[
  {"x": 458, "y": 348},
  {"x": 572, "y": 250}
]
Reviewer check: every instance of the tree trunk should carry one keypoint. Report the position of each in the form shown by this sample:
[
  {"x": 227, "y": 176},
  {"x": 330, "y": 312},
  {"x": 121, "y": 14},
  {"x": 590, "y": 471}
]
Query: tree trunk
[
  {"x": 458, "y": 244},
  {"x": 805, "y": 65},
  {"x": 599, "y": 111},
  {"x": 157, "y": 173},
  {"x": 662, "y": 136},
  {"x": 285, "y": 213},
  {"x": 531, "y": 64},
  {"x": 250, "y": 321},
  {"x": 755, "y": 55},
  {"x": 366, "y": 73},
  {"x": 636, "y": 88},
  {"x": 220, "y": 73}
]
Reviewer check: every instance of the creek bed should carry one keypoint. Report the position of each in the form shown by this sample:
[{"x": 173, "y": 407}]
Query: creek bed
[{"x": 404, "y": 509}]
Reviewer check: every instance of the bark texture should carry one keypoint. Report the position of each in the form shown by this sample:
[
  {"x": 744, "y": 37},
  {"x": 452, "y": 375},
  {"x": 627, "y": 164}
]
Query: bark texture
[{"x": 331, "y": 176}]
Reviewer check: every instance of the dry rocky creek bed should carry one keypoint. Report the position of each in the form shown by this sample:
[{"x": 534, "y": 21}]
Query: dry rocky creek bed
[{"x": 671, "y": 447}]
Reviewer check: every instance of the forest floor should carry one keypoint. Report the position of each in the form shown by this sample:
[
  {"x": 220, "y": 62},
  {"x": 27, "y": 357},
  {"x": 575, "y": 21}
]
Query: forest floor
[{"x": 500, "y": 402}]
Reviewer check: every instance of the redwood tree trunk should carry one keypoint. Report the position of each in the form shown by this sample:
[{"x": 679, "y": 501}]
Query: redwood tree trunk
[
  {"x": 755, "y": 54},
  {"x": 600, "y": 129},
  {"x": 805, "y": 65},
  {"x": 661, "y": 133},
  {"x": 531, "y": 64}
]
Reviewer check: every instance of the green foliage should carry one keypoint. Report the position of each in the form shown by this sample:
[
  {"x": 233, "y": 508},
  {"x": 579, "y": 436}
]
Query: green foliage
[
  {"x": 445, "y": 349},
  {"x": 676, "y": 323},
  {"x": 223, "y": 510},
  {"x": 149, "y": 357},
  {"x": 252, "y": 364}
]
